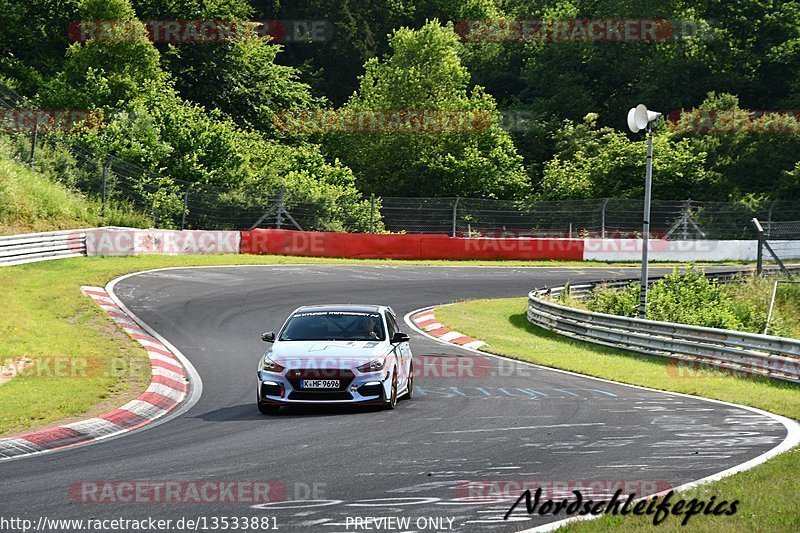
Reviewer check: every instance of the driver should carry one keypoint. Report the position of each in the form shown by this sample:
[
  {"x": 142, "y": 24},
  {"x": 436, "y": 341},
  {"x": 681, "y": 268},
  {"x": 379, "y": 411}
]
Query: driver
[{"x": 366, "y": 327}]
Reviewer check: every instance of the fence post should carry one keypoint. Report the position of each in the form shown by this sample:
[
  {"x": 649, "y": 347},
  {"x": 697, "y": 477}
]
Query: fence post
[
  {"x": 769, "y": 217},
  {"x": 279, "y": 210},
  {"x": 105, "y": 180},
  {"x": 760, "y": 250},
  {"x": 603, "y": 219},
  {"x": 686, "y": 210},
  {"x": 372, "y": 213},
  {"x": 185, "y": 205},
  {"x": 34, "y": 140},
  {"x": 455, "y": 215}
]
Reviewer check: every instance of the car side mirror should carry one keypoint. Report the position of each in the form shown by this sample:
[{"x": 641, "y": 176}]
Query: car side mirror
[
  {"x": 399, "y": 337},
  {"x": 268, "y": 336}
]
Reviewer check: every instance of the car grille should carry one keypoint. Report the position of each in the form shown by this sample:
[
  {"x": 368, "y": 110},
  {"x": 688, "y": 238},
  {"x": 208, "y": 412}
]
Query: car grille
[
  {"x": 320, "y": 395},
  {"x": 344, "y": 376}
]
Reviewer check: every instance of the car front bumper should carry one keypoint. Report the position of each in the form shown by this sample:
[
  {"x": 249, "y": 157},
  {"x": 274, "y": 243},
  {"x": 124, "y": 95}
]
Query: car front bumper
[{"x": 355, "y": 388}]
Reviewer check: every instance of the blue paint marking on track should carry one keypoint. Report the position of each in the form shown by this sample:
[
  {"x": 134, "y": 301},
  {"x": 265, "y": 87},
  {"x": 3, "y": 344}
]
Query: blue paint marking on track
[
  {"x": 567, "y": 392},
  {"x": 604, "y": 392},
  {"x": 534, "y": 393}
]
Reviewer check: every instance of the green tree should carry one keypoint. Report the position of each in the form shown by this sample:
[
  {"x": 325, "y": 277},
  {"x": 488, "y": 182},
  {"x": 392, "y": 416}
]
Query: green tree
[
  {"x": 597, "y": 162},
  {"x": 241, "y": 79},
  {"x": 747, "y": 156},
  {"x": 33, "y": 40},
  {"x": 424, "y": 73},
  {"x": 104, "y": 73}
]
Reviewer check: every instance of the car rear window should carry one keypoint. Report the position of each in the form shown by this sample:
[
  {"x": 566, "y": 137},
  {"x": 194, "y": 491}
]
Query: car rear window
[{"x": 334, "y": 325}]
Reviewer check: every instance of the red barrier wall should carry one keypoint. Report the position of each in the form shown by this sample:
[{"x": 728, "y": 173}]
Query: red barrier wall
[{"x": 408, "y": 246}]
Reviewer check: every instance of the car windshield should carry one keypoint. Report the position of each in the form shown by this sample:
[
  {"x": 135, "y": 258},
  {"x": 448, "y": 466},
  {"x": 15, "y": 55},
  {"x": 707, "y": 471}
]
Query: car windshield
[{"x": 334, "y": 326}]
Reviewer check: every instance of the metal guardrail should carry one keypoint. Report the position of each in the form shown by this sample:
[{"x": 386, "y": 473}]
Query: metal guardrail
[
  {"x": 751, "y": 353},
  {"x": 32, "y": 247}
]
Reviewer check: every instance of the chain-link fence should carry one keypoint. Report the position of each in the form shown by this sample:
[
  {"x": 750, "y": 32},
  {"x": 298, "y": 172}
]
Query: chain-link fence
[
  {"x": 177, "y": 204},
  {"x": 601, "y": 218}
]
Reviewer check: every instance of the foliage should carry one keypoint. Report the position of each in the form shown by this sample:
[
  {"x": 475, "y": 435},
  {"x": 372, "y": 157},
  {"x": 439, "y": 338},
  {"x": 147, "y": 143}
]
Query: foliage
[
  {"x": 718, "y": 56},
  {"x": 611, "y": 301},
  {"x": 603, "y": 162},
  {"x": 689, "y": 297},
  {"x": 36, "y": 200},
  {"x": 424, "y": 73}
]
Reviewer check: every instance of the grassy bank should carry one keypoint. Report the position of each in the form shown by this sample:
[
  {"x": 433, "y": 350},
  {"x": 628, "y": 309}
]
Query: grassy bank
[
  {"x": 766, "y": 492},
  {"x": 30, "y": 202}
]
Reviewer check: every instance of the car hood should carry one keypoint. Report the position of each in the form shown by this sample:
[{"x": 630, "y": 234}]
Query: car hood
[{"x": 326, "y": 354}]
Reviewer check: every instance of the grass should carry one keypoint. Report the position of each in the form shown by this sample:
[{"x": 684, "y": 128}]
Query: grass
[
  {"x": 30, "y": 202},
  {"x": 750, "y": 296},
  {"x": 766, "y": 492},
  {"x": 758, "y": 291}
]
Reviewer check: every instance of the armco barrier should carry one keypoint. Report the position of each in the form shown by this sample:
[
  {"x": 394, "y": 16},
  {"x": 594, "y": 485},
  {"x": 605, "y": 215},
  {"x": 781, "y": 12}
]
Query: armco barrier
[
  {"x": 750, "y": 353},
  {"x": 115, "y": 241},
  {"x": 31, "y": 247},
  {"x": 129, "y": 241},
  {"x": 685, "y": 251},
  {"x": 405, "y": 246}
]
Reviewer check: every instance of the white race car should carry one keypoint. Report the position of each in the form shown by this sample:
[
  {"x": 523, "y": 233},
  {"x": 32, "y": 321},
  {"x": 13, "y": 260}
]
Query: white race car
[{"x": 336, "y": 354}]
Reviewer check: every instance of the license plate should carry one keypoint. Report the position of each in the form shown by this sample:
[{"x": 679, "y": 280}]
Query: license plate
[{"x": 319, "y": 384}]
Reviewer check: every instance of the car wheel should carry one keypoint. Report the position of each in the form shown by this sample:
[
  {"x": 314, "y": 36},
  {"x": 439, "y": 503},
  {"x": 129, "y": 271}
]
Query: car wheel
[
  {"x": 268, "y": 409},
  {"x": 392, "y": 403},
  {"x": 410, "y": 391}
]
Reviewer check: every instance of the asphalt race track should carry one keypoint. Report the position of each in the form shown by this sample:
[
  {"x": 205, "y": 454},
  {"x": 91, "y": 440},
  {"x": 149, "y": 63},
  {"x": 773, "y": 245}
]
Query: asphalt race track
[{"x": 512, "y": 424}]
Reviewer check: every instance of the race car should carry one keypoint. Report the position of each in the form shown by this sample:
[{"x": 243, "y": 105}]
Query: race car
[{"x": 336, "y": 354}]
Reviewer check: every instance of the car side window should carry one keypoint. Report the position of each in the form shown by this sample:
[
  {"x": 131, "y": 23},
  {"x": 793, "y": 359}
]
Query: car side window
[{"x": 391, "y": 324}]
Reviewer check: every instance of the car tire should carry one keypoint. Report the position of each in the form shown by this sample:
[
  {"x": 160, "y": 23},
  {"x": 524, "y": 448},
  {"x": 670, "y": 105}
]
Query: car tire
[
  {"x": 392, "y": 402},
  {"x": 268, "y": 409},
  {"x": 410, "y": 387}
]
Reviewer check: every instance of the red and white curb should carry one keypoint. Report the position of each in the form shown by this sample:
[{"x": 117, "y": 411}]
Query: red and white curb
[
  {"x": 169, "y": 386},
  {"x": 426, "y": 321}
]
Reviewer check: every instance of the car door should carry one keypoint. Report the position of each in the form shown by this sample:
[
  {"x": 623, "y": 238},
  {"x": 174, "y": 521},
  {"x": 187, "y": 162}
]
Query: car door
[{"x": 401, "y": 351}]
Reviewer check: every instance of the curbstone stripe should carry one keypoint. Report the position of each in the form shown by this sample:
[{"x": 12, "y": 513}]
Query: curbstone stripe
[{"x": 426, "y": 321}]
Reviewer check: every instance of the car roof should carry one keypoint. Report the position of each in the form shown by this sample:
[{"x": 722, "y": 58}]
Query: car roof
[{"x": 358, "y": 308}]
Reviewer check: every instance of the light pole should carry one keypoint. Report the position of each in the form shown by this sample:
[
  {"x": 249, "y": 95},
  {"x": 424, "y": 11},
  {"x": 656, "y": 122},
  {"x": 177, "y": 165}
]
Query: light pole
[{"x": 639, "y": 118}]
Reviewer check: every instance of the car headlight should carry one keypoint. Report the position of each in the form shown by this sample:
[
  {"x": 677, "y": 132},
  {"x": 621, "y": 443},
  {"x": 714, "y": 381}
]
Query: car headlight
[
  {"x": 268, "y": 365},
  {"x": 373, "y": 366}
]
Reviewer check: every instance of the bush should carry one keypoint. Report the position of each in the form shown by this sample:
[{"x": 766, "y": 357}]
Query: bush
[
  {"x": 622, "y": 302},
  {"x": 688, "y": 297}
]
